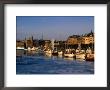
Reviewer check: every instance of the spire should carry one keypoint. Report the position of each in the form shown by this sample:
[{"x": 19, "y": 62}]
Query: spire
[
  {"x": 32, "y": 38},
  {"x": 91, "y": 31}
]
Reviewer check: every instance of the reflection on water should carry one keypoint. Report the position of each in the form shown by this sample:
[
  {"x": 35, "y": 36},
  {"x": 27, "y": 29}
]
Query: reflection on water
[{"x": 31, "y": 62}]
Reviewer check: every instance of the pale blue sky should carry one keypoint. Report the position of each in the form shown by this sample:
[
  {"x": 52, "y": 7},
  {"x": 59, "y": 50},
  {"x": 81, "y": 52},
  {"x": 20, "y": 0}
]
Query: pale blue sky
[{"x": 53, "y": 27}]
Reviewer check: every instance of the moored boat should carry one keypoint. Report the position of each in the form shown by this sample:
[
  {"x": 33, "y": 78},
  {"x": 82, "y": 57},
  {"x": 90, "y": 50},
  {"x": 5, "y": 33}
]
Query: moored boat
[
  {"x": 60, "y": 53},
  {"x": 69, "y": 55},
  {"x": 80, "y": 56},
  {"x": 31, "y": 49},
  {"x": 80, "y": 53},
  {"x": 20, "y": 48},
  {"x": 55, "y": 53},
  {"x": 48, "y": 51},
  {"x": 90, "y": 57}
]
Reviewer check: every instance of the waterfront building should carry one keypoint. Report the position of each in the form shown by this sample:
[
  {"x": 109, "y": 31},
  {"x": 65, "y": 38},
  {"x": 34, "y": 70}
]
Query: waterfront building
[
  {"x": 20, "y": 44},
  {"x": 88, "y": 38},
  {"x": 85, "y": 40},
  {"x": 72, "y": 40},
  {"x": 91, "y": 39}
]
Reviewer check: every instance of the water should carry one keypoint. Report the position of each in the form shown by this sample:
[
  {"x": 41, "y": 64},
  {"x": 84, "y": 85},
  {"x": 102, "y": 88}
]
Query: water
[{"x": 35, "y": 63}]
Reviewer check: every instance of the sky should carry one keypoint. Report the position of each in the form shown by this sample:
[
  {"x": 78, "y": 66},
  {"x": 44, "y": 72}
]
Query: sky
[{"x": 53, "y": 27}]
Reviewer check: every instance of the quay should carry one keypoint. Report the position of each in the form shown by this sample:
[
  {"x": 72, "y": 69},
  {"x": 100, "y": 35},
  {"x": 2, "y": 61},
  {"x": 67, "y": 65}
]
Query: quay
[
  {"x": 87, "y": 55},
  {"x": 76, "y": 46}
]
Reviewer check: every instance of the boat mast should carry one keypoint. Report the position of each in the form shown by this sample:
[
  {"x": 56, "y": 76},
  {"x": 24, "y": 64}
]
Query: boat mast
[
  {"x": 52, "y": 44},
  {"x": 79, "y": 46}
]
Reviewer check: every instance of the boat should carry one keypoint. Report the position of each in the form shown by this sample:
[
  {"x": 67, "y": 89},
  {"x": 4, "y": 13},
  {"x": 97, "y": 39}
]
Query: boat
[
  {"x": 48, "y": 51},
  {"x": 90, "y": 57},
  {"x": 29, "y": 49},
  {"x": 48, "y": 54},
  {"x": 68, "y": 52},
  {"x": 80, "y": 54},
  {"x": 33, "y": 49},
  {"x": 69, "y": 55},
  {"x": 60, "y": 53},
  {"x": 55, "y": 53},
  {"x": 20, "y": 48},
  {"x": 88, "y": 51},
  {"x": 25, "y": 49}
]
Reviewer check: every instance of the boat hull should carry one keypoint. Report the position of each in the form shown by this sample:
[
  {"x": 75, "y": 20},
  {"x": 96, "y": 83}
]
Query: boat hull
[
  {"x": 80, "y": 56},
  {"x": 69, "y": 55},
  {"x": 55, "y": 54},
  {"x": 90, "y": 57},
  {"x": 60, "y": 53}
]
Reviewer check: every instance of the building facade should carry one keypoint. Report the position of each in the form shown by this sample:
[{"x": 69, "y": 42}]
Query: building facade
[
  {"x": 72, "y": 40},
  {"x": 88, "y": 38},
  {"x": 20, "y": 44}
]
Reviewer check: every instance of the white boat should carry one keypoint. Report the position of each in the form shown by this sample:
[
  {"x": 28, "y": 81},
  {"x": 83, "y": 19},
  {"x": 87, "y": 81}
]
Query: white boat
[
  {"x": 89, "y": 55},
  {"x": 20, "y": 48},
  {"x": 48, "y": 54},
  {"x": 29, "y": 49},
  {"x": 48, "y": 51},
  {"x": 33, "y": 48},
  {"x": 25, "y": 49},
  {"x": 89, "y": 51},
  {"x": 80, "y": 56},
  {"x": 60, "y": 53},
  {"x": 68, "y": 55}
]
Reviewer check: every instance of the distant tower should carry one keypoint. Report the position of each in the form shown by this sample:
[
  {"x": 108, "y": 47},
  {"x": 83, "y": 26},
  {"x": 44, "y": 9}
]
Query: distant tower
[
  {"x": 91, "y": 31},
  {"x": 32, "y": 38},
  {"x": 25, "y": 44}
]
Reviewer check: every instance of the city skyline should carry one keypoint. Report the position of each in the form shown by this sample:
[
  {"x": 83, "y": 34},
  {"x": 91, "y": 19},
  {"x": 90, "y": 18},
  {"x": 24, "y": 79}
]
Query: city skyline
[{"x": 53, "y": 27}]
